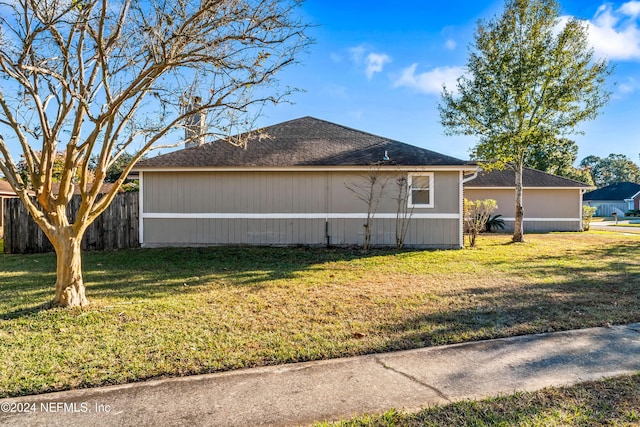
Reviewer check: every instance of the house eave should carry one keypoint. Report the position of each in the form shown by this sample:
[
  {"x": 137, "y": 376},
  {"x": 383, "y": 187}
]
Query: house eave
[{"x": 410, "y": 168}]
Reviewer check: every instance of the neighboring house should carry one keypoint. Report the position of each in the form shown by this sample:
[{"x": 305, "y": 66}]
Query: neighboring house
[
  {"x": 289, "y": 187},
  {"x": 622, "y": 196},
  {"x": 551, "y": 203},
  {"x": 5, "y": 192}
]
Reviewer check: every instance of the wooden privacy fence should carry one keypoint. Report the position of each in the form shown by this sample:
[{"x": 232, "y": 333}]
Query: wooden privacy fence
[{"x": 115, "y": 228}]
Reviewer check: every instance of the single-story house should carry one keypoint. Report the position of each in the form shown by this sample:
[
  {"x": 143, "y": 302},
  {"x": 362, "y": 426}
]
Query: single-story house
[
  {"x": 551, "y": 202},
  {"x": 621, "y": 196},
  {"x": 290, "y": 186},
  {"x": 6, "y": 192}
]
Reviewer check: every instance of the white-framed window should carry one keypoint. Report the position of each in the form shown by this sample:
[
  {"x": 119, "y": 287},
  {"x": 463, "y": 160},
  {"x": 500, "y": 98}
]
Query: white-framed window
[{"x": 421, "y": 190}]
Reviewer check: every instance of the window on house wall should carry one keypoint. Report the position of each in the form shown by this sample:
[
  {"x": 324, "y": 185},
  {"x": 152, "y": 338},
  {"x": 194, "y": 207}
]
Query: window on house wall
[{"x": 421, "y": 190}]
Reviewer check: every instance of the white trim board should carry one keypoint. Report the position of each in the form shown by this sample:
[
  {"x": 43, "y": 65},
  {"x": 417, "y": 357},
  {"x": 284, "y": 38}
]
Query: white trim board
[
  {"x": 471, "y": 187},
  {"x": 284, "y": 215},
  {"x": 544, "y": 219}
]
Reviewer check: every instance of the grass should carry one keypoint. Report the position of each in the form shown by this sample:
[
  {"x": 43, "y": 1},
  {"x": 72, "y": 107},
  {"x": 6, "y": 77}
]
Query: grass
[
  {"x": 627, "y": 224},
  {"x": 171, "y": 312},
  {"x": 612, "y": 402}
]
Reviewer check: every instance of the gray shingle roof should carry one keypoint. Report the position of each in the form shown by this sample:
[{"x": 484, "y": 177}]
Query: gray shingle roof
[
  {"x": 306, "y": 141},
  {"x": 617, "y": 191},
  {"x": 530, "y": 178}
]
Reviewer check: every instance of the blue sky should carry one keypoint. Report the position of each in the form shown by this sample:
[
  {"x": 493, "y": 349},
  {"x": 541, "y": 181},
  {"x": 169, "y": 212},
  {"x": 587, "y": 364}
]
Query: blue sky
[{"x": 379, "y": 67}]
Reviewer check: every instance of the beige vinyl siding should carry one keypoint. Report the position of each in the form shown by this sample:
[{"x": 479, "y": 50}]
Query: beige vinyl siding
[
  {"x": 549, "y": 209},
  {"x": 434, "y": 233},
  {"x": 285, "y": 192},
  {"x": 205, "y": 231},
  {"x": 201, "y": 208}
]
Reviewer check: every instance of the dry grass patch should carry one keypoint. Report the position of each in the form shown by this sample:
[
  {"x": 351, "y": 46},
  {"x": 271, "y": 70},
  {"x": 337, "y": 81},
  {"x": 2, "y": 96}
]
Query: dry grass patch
[
  {"x": 612, "y": 402},
  {"x": 168, "y": 312}
]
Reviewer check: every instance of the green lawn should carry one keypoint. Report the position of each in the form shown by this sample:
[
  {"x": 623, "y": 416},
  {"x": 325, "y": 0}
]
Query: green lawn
[
  {"x": 612, "y": 402},
  {"x": 169, "y": 312}
]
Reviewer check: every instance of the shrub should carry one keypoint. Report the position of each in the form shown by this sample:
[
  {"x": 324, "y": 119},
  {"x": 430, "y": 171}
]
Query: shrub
[
  {"x": 587, "y": 215},
  {"x": 494, "y": 223},
  {"x": 476, "y": 215}
]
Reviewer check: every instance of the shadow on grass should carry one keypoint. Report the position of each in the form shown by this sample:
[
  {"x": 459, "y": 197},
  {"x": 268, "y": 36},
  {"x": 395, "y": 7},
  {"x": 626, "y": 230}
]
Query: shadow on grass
[
  {"x": 583, "y": 296},
  {"x": 25, "y": 312},
  {"x": 156, "y": 273},
  {"x": 485, "y": 313},
  {"x": 612, "y": 401}
]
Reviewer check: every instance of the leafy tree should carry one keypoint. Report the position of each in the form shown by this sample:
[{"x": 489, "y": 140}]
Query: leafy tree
[
  {"x": 529, "y": 84},
  {"x": 56, "y": 173},
  {"x": 558, "y": 158},
  {"x": 613, "y": 168},
  {"x": 117, "y": 166},
  {"x": 98, "y": 78}
]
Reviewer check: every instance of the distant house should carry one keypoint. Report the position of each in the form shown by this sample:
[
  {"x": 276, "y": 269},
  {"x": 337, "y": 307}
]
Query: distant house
[
  {"x": 5, "y": 192},
  {"x": 551, "y": 203},
  {"x": 290, "y": 187},
  {"x": 621, "y": 196}
]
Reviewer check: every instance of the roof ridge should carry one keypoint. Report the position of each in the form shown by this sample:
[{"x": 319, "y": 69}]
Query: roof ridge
[
  {"x": 557, "y": 176},
  {"x": 368, "y": 133},
  {"x": 293, "y": 144}
]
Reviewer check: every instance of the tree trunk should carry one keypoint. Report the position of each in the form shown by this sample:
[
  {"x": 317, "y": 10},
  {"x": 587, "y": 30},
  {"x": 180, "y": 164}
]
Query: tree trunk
[
  {"x": 518, "y": 227},
  {"x": 69, "y": 283}
]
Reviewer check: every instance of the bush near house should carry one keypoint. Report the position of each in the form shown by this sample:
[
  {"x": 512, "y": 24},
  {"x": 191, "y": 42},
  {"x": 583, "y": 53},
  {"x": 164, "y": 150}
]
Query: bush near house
[
  {"x": 494, "y": 223},
  {"x": 587, "y": 216}
]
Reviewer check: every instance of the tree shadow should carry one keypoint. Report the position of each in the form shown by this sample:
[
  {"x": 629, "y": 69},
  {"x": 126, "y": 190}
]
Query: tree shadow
[
  {"x": 26, "y": 312},
  {"x": 605, "y": 402},
  {"x": 157, "y": 273},
  {"x": 581, "y": 300}
]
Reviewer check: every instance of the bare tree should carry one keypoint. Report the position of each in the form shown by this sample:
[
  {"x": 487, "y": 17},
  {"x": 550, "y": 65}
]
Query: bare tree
[
  {"x": 99, "y": 78},
  {"x": 404, "y": 212},
  {"x": 370, "y": 191}
]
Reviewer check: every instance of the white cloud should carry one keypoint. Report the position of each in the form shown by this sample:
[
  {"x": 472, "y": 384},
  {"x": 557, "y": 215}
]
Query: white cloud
[
  {"x": 631, "y": 9},
  {"x": 450, "y": 44},
  {"x": 375, "y": 62},
  {"x": 615, "y": 33},
  {"x": 628, "y": 87},
  {"x": 429, "y": 82},
  {"x": 372, "y": 62},
  {"x": 357, "y": 53}
]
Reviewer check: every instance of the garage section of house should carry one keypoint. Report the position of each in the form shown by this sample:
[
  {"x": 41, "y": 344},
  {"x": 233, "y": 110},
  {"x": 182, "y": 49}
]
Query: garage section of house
[
  {"x": 290, "y": 186},
  {"x": 551, "y": 202}
]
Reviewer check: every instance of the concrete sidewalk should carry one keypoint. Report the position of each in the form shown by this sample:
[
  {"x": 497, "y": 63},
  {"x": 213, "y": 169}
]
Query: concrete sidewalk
[
  {"x": 611, "y": 226},
  {"x": 299, "y": 394}
]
